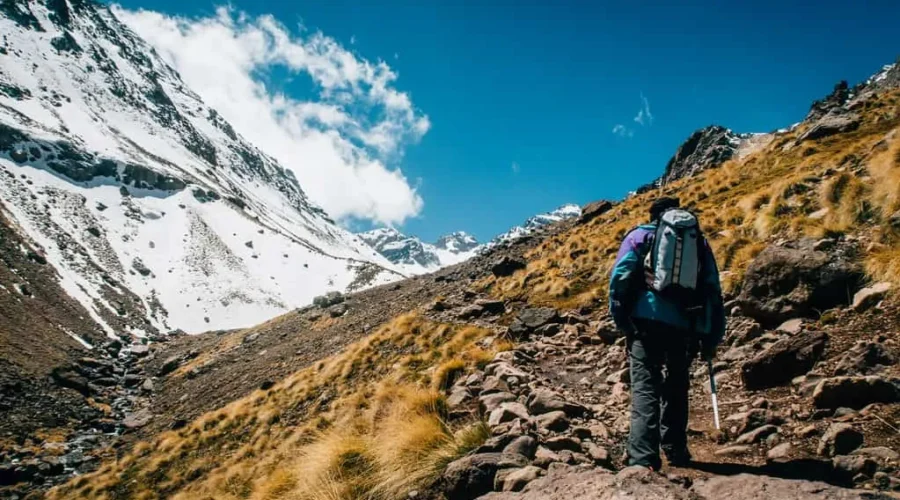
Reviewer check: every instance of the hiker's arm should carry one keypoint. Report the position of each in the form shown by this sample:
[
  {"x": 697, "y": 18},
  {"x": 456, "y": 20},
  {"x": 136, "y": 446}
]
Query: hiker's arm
[
  {"x": 627, "y": 269},
  {"x": 713, "y": 290}
]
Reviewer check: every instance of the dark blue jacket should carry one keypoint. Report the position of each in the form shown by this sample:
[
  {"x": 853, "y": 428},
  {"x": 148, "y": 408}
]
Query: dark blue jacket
[{"x": 630, "y": 298}]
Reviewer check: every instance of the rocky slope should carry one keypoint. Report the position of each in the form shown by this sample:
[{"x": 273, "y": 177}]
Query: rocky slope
[
  {"x": 489, "y": 375},
  {"x": 133, "y": 188}
]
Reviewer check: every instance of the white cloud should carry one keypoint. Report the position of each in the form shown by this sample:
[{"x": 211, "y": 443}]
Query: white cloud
[
  {"x": 622, "y": 131},
  {"x": 516, "y": 168},
  {"x": 644, "y": 117},
  {"x": 338, "y": 142}
]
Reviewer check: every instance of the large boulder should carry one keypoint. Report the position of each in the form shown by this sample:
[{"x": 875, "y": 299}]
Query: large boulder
[
  {"x": 835, "y": 122},
  {"x": 593, "y": 210},
  {"x": 473, "y": 475},
  {"x": 783, "y": 361},
  {"x": 840, "y": 439},
  {"x": 785, "y": 282},
  {"x": 855, "y": 392},
  {"x": 506, "y": 266},
  {"x": 569, "y": 483},
  {"x": 531, "y": 319},
  {"x": 869, "y": 296}
]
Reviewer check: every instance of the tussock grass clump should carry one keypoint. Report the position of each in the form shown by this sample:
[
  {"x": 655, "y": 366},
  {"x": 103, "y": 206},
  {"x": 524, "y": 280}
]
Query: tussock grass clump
[{"x": 369, "y": 423}]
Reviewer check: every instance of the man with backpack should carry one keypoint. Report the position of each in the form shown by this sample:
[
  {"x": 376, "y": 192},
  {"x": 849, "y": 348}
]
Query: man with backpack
[{"x": 664, "y": 294}]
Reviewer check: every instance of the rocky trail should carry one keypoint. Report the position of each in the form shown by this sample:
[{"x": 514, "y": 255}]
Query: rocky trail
[{"x": 803, "y": 404}]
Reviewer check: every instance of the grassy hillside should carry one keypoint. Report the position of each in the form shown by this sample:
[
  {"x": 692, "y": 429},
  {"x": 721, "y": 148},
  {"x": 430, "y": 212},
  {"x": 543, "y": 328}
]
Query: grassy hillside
[
  {"x": 371, "y": 422},
  {"x": 368, "y": 423}
]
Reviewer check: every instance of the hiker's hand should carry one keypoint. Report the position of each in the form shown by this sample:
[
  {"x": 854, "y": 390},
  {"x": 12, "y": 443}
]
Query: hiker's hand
[{"x": 707, "y": 350}]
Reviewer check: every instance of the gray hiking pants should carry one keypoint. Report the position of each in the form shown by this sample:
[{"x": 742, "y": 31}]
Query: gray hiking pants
[{"x": 660, "y": 357}]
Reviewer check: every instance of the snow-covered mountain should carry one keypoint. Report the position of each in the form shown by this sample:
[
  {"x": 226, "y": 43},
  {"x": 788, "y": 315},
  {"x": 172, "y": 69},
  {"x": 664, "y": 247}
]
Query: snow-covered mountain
[
  {"x": 565, "y": 212},
  {"x": 154, "y": 212},
  {"x": 414, "y": 256}
]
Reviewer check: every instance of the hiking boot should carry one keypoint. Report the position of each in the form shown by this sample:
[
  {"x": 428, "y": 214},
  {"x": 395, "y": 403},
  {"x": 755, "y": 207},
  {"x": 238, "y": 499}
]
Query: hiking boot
[{"x": 679, "y": 458}]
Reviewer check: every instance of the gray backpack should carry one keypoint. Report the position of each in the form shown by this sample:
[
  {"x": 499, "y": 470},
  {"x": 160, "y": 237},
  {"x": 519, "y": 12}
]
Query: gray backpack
[{"x": 672, "y": 266}]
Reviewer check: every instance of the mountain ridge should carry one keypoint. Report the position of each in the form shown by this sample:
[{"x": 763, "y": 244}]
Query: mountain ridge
[
  {"x": 88, "y": 111},
  {"x": 418, "y": 257}
]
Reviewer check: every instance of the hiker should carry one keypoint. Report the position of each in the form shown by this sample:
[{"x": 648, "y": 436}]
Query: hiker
[{"x": 664, "y": 295}]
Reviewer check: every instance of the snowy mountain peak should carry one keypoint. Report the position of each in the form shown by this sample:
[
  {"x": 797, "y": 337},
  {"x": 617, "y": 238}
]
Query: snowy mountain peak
[
  {"x": 414, "y": 256},
  {"x": 137, "y": 191},
  {"x": 564, "y": 212},
  {"x": 459, "y": 241}
]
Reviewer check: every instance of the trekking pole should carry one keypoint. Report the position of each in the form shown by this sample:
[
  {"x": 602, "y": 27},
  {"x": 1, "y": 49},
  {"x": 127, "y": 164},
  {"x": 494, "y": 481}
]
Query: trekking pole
[{"x": 712, "y": 387}]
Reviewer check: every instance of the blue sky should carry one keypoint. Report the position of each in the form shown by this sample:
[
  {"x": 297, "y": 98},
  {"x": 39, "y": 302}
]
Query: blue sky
[{"x": 542, "y": 85}]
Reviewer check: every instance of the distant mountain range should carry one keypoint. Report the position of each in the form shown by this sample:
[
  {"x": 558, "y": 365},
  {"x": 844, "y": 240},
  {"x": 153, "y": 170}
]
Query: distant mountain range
[{"x": 413, "y": 256}]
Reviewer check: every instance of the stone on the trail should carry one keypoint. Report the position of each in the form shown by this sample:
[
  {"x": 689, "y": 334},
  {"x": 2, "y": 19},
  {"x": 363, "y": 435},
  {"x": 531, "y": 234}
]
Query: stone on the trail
[
  {"x": 458, "y": 397},
  {"x": 491, "y": 306},
  {"x": 855, "y": 392},
  {"x": 536, "y": 317},
  {"x": 544, "y": 401},
  {"x": 140, "y": 350},
  {"x": 555, "y": 421},
  {"x": 840, "y": 439},
  {"x": 869, "y": 296},
  {"x": 472, "y": 476},
  {"x": 470, "y": 312},
  {"x": 879, "y": 452},
  {"x": 132, "y": 380},
  {"x": 732, "y": 451},
  {"x": 863, "y": 357},
  {"x": 599, "y": 431},
  {"x": 505, "y": 371},
  {"x": 744, "y": 331},
  {"x": 490, "y": 402},
  {"x": 783, "y": 361},
  {"x": 757, "y": 487},
  {"x": 756, "y": 435},
  {"x": 791, "y": 326},
  {"x": 779, "y": 452},
  {"x": 516, "y": 479},
  {"x": 495, "y": 444},
  {"x": 560, "y": 443},
  {"x": 621, "y": 376},
  {"x": 507, "y": 412},
  {"x": 494, "y": 384},
  {"x": 753, "y": 419},
  {"x": 169, "y": 365},
  {"x": 582, "y": 432},
  {"x": 148, "y": 386},
  {"x": 522, "y": 445},
  {"x": 793, "y": 280},
  {"x": 598, "y": 454},
  {"x": 506, "y": 266},
  {"x": 849, "y": 466},
  {"x": 137, "y": 420}
]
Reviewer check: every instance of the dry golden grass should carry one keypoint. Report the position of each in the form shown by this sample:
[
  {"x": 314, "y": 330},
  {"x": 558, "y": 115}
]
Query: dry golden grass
[{"x": 370, "y": 423}]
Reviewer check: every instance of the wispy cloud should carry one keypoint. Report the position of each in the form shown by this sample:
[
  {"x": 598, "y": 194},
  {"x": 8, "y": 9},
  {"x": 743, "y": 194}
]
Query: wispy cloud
[
  {"x": 339, "y": 143},
  {"x": 644, "y": 116},
  {"x": 622, "y": 131},
  {"x": 516, "y": 168}
]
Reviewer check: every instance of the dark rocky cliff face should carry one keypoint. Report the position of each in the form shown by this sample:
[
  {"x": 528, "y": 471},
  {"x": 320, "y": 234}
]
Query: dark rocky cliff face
[{"x": 706, "y": 148}]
